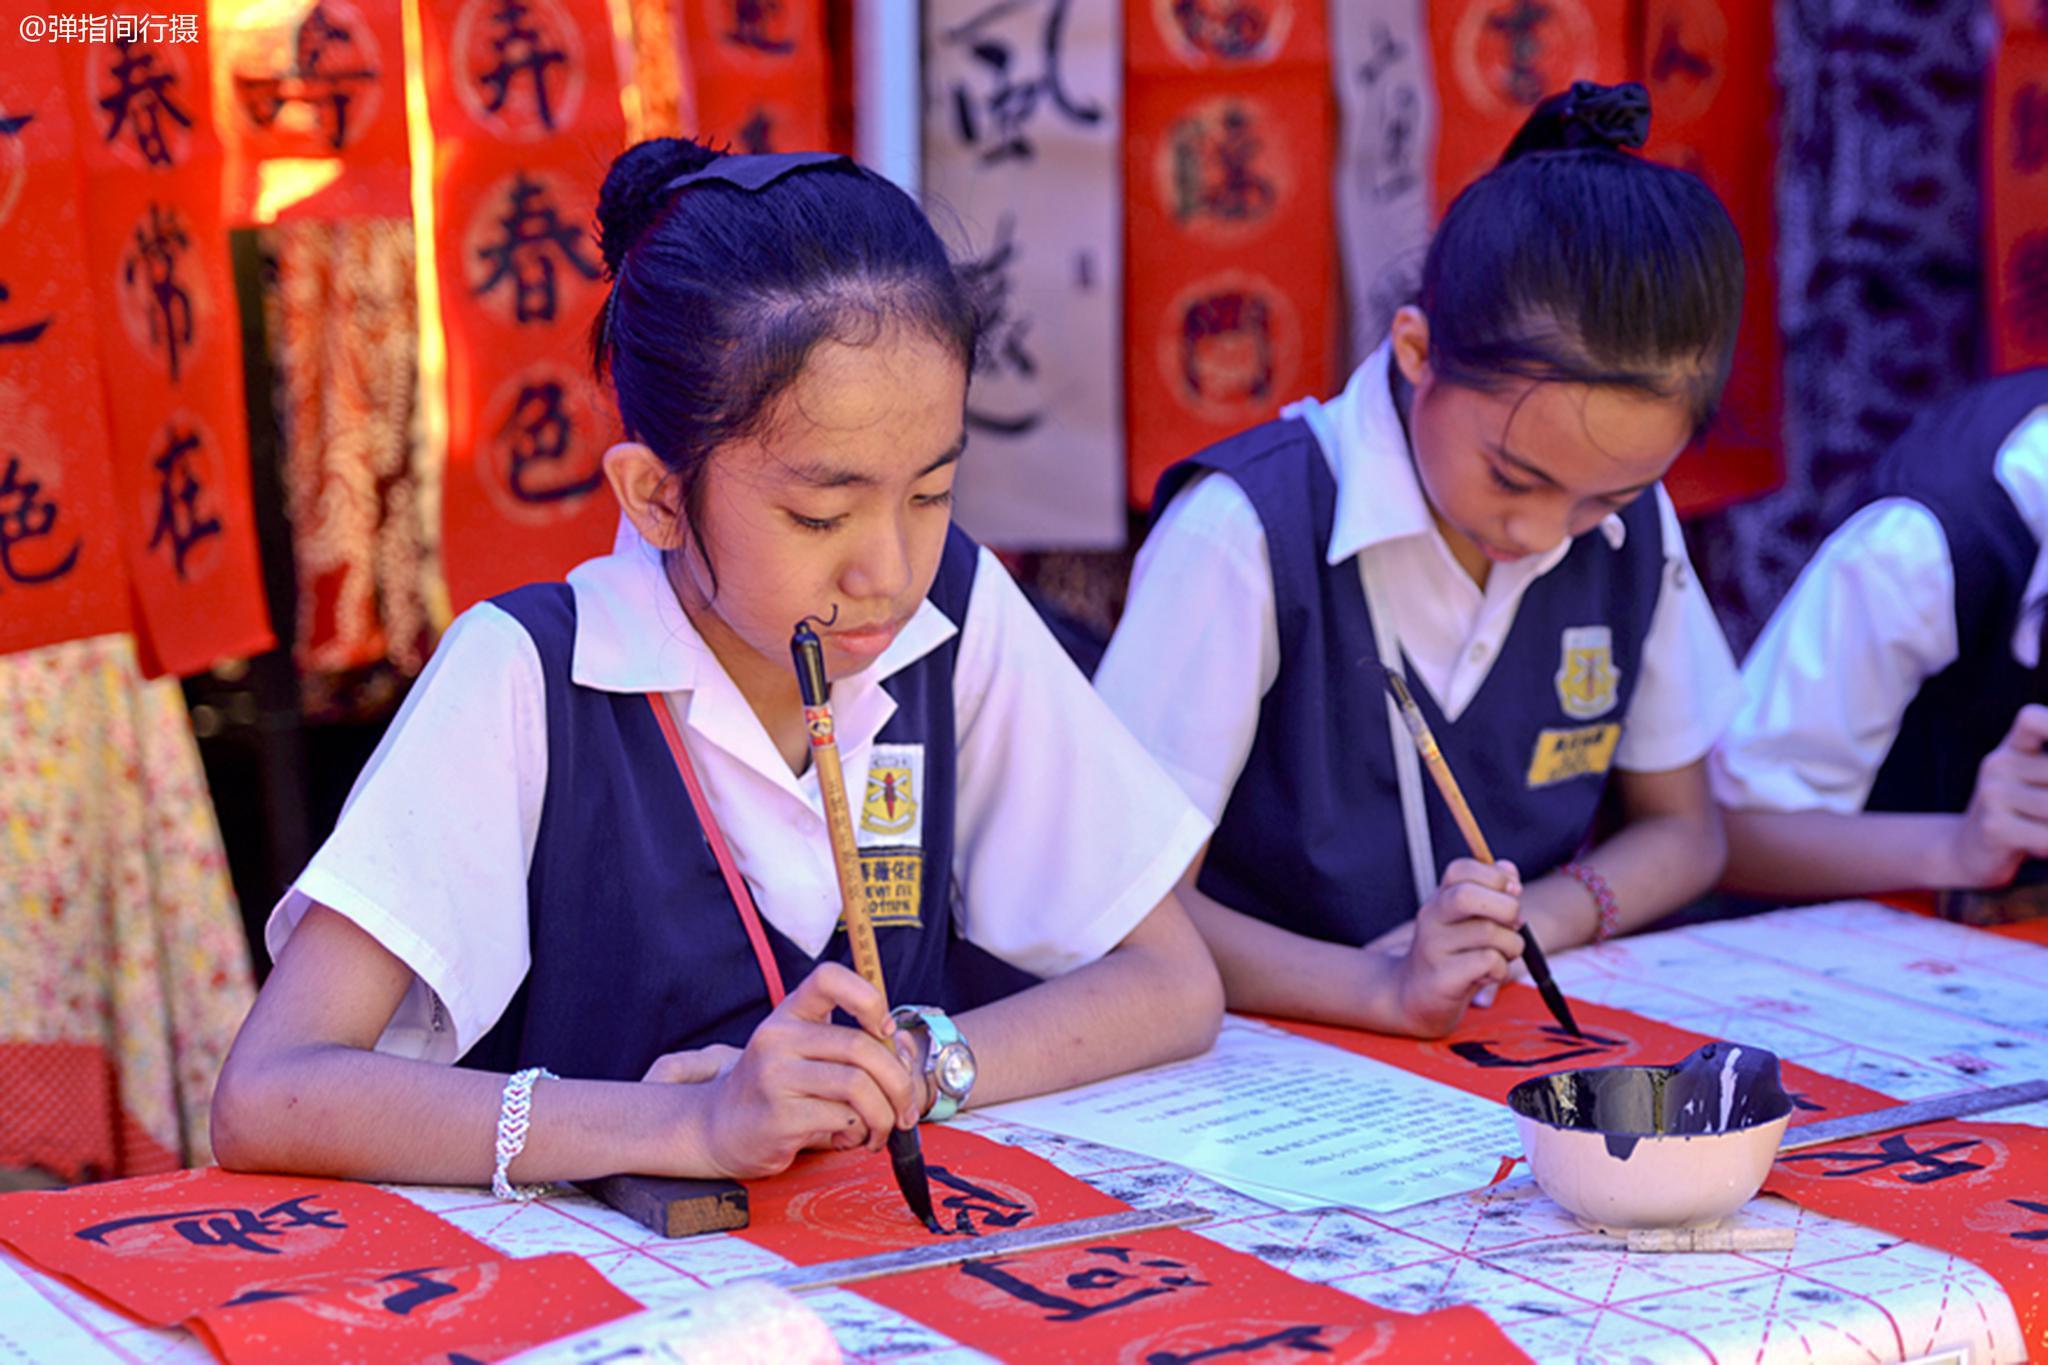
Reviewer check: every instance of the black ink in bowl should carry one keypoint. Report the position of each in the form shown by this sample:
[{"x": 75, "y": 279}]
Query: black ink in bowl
[{"x": 1720, "y": 1088}]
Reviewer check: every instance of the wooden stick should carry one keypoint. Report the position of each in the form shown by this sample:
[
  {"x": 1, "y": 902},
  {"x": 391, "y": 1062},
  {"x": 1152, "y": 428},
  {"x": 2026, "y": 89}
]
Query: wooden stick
[
  {"x": 1711, "y": 1239},
  {"x": 1468, "y": 825}
]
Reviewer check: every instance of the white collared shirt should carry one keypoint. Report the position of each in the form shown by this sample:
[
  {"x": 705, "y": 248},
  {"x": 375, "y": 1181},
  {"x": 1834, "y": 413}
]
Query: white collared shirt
[
  {"x": 1199, "y": 644},
  {"x": 1871, "y": 618},
  {"x": 1066, "y": 833}
]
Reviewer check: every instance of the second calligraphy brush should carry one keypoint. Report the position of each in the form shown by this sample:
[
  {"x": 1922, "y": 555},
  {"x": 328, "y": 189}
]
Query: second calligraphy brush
[
  {"x": 906, "y": 1151},
  {"x": 1468, "y": 825}
]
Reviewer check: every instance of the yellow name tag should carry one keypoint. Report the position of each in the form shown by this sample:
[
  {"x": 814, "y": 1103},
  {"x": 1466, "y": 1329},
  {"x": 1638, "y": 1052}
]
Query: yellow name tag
[
  {"x": 1562, "y": 755},
  {"x": 892, "y": 881}
]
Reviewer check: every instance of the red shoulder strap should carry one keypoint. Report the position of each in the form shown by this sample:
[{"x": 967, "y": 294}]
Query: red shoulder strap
[{"x": 750, "y": 918}]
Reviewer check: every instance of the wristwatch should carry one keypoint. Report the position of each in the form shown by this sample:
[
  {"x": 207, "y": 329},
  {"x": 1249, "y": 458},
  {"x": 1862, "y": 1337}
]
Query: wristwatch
[{"x": 948, "y": 1061}]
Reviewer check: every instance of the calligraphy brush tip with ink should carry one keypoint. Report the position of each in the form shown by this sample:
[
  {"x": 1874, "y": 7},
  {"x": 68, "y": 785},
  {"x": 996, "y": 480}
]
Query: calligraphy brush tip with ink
[{"x": 1468, "y": 825}]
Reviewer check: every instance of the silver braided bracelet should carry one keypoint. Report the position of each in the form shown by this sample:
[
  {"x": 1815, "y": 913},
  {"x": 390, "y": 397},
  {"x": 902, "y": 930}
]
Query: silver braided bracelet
[{"x": 515, "y": 1111}]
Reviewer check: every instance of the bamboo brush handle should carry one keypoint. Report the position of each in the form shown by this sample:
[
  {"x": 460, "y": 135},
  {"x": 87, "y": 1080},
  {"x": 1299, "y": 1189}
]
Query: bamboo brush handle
[{"x": 860, "y": 930}]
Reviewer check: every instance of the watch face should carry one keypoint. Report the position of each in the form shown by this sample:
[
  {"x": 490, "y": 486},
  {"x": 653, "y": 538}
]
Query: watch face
[{"x": 955, "y": 1070}]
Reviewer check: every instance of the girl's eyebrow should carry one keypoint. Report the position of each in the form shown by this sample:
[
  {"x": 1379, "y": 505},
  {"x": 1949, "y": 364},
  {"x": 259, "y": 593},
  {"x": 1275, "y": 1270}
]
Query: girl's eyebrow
[
  {"x": 1522, "y": 465},
  {"x": 824, "y": 475}
]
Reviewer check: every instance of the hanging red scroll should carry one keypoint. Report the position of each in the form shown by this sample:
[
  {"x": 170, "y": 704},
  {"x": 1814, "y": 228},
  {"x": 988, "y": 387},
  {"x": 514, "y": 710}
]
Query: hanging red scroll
[
  {"x": 761, "y": 75},
  {"x": 1496, "y": 59},
  {"x": 61, "y": 571},
  {"x": 310, "y": 98},
  {"x": 2016, "y": 195},
  {"x": 1230, "y": 281},
  {"x": 523, "y": 100},
  {"x": 1707, "y": 64},
  {"x": 171, "y": 348}
]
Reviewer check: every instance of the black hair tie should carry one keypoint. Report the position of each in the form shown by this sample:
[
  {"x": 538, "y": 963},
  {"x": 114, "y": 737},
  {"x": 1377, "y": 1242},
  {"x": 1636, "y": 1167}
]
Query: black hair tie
[{"x": 754, "y": 171}]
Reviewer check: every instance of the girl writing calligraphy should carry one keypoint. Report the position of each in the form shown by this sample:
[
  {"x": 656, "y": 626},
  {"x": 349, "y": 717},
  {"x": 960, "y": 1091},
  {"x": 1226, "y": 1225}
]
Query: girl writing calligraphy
[
  {"x": 591, "y": 842},
  {"x": 1479, "y": 508}
]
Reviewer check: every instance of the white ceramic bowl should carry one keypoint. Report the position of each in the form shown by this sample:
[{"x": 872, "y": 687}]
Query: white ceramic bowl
[{"x": 1607, "y": 1156}]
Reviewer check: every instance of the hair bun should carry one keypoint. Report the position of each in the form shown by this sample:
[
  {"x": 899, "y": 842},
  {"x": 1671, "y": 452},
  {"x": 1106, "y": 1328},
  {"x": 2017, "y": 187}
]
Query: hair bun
[
  {"x": 1600, "y": 117},
  {"x": 632, "y": 197}
]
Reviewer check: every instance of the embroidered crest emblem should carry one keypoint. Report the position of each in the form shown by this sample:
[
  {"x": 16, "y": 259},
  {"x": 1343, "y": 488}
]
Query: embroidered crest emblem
[
  {"x": 1586, "y": 675},
  {"x": 890, "y": 807},
  {"x": 892, "y": 803}
]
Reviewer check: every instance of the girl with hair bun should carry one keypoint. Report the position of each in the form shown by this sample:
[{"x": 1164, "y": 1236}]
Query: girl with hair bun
[
  {"x": 1480, "y": 509},
  {"x": 591, "y": 844}
]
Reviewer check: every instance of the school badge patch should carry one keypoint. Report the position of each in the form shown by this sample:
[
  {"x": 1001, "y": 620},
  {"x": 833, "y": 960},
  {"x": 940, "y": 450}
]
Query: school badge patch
[
  {"x": 892, "y": 809},
  {"x": 1586, "y": 675}
]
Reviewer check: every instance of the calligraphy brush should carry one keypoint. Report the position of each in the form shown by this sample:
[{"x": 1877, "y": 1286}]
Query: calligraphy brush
[
  {"x": 906, "y": 1150},
  {"x": 1468, "y": 825}
]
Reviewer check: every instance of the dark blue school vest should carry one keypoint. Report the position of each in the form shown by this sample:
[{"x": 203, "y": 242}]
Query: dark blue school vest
[
  {"x": 637, "y": 949},
  {"x": 1947, "y": 462},
  {"x": 1312, "y": 838}
]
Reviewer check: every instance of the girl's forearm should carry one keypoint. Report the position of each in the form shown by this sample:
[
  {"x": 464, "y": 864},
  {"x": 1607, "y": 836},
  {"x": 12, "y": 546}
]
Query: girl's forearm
[
  {"x": 1153, "y": 999},
  {"x": 1819, "y": 854},
  {"x": 1270, "y": 970},
  {"x": 1654, "y": 865},
  {"x": 330, "y": 1109}
]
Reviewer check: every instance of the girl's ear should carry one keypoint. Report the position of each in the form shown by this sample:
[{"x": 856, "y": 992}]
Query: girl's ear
[
  {"x": 648, "y": 493},
  {"x": 1409, "y": 334}
]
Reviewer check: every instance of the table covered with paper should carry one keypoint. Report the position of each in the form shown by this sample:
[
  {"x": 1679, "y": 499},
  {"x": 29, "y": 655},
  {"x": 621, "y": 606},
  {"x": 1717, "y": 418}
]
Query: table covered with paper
[{"x": 1363, "y": 1201}]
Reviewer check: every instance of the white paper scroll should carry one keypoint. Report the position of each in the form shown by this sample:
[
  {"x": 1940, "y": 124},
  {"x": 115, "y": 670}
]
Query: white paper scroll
[
  {"x": 1379, "y": 60},
  {"x": 1023, "y": 144}
]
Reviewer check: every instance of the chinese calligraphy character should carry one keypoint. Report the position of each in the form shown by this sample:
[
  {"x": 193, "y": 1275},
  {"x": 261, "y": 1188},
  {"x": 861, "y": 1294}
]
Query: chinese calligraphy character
[
  {"x": 753, "y": 26},
  {"x": 227, "y": 1227},
  {"x": 1117, "y": 1269},
  {"x": 1233, "y": 30},
  {"x": 1012, "y": 103},
  {"x": 757, "y": 134},
  {"x": 975, "y": 1208},
  {"x": 541, "y": 430},
  {"x": 26, "y": 515},
  {"x": 1521, "y": 23},
  {"x": 1005, "y": 333},
  {"x": 1305, "y": 1339},
  {"x": 178, "y": 517},
  {"x": 521, "y": 50},
  {"x": 1674, "y": 58},
  {"x": 425, "y": 1289},
  {"x": 1213, "y": 170},
  {"x": 2026, "y": 282},
  {"x": 18, "y": 336},
  {"x": 2031, "y": 1206},
  {"x": 1897, "y": 1150},
  {"x": 1227, "y": 346},
  {"x": 2030, "y": 128},
  {"x": 1481, "y": 1053},
  {"x": 154, "y": 262},
  {"x": 142, "y": 96},
  {"x": 324, "y": 76},
  {"x": 523, "y": 254}
]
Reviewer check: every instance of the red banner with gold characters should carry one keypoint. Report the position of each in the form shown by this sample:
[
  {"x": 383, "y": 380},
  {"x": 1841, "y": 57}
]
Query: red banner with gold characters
[
  {"x": 523, "y": 100},
  {"x": 310, "y": 99},
  {"x": 157, "y": 258},
  {"x": 61, "y": 569},
  {"x": 1230, "y": 281},
  {"x": 2016, "y": 195},
  {"x": 761, "y": 75},
  {"x": 1707, "y": 64}
]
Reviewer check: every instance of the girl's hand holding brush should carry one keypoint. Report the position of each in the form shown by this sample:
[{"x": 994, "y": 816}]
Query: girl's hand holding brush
[{"x": 1463, "y": 939}]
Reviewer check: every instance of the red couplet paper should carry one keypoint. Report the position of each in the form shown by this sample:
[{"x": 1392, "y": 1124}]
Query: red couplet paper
[
  {"x": 486, "y": 1311},
  {"x": 1707, "y": 64},
  {"x": 2016, "y": 209},
  {"x": 1975, "y": 1190},
  {"x": 61, "y": 570},
  {"x": 1495, "y": 60},
  {"x": 171, "y": 347},
  {"x": 761, "y": 75},
  {"x": 1230, "y": 281},
  {"x": 170, "y": 1247},
  {"x": 2030, "y": 930},
  {"x": 525, "y": 109},
  {"x": 310, "y": 95},
  {"x": 1147, "y": 1297}
]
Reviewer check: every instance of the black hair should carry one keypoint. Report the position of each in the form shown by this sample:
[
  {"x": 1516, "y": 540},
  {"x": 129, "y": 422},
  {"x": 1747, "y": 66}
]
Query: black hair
[
  {"x": 720, "y": 293},
  {"x": 1574, "y": 260}
]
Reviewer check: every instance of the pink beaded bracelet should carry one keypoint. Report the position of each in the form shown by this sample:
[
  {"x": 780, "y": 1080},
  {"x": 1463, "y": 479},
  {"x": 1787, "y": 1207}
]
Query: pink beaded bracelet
[{"x": 1603, "y": 897}]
